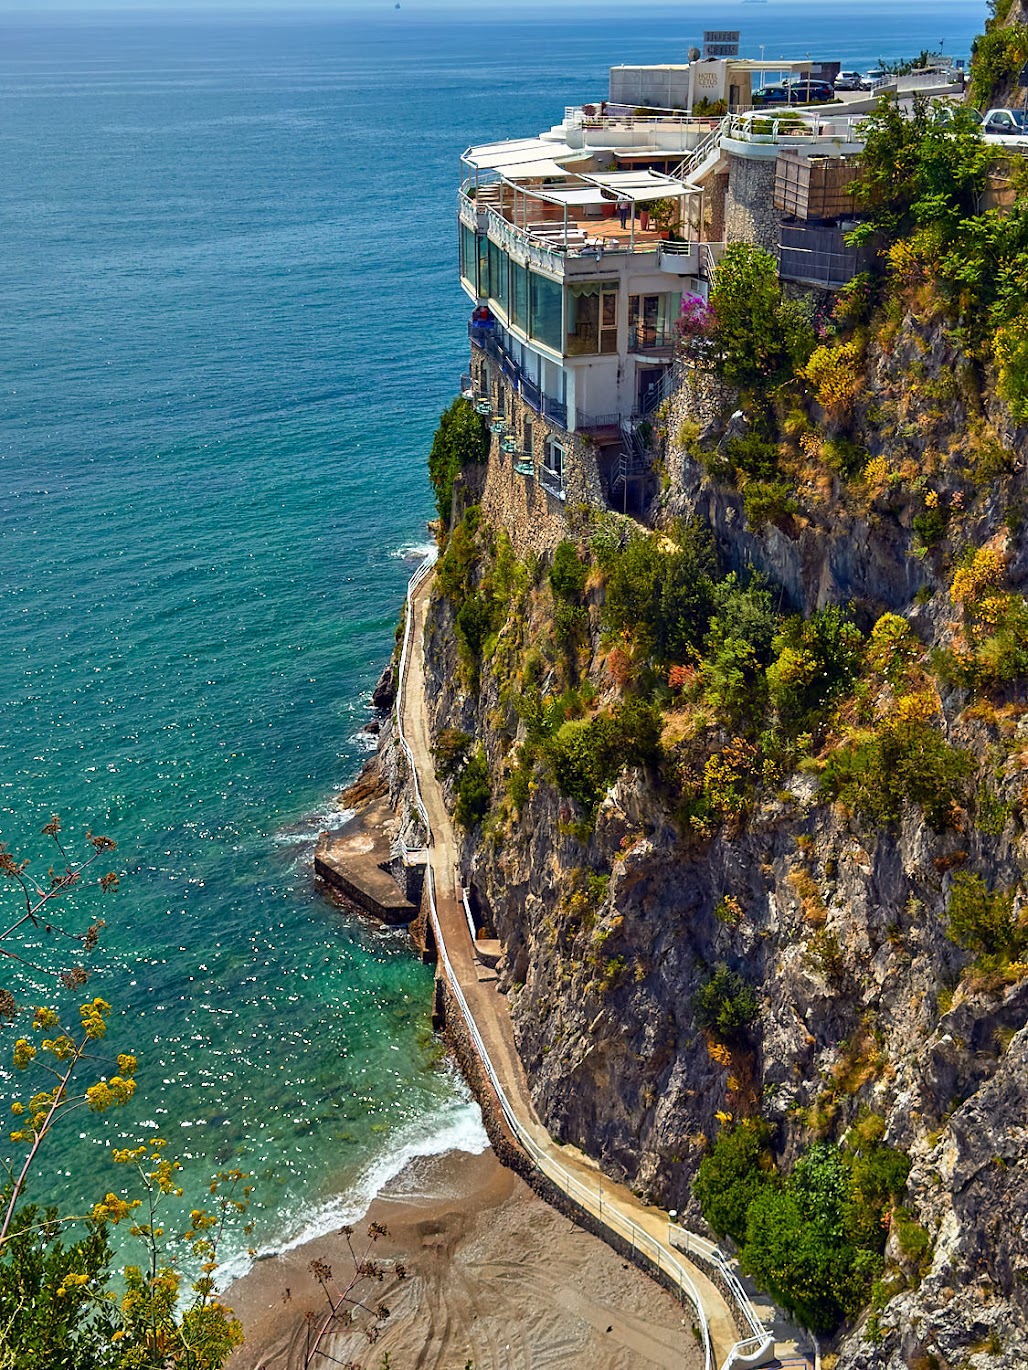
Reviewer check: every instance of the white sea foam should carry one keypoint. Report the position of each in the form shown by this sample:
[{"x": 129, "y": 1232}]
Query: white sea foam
[
  {"x": 459, "y": 1128},
  {"x": 413, "y": 551},
  {"x": 307, "y": 830}
]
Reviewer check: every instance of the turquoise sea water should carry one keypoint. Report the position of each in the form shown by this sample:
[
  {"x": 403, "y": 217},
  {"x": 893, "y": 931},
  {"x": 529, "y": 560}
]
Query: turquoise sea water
[{"x": 230, "y": 320}]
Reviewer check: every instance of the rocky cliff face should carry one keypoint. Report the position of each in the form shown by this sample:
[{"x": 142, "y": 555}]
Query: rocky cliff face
[{"x": 611, "y": 927}]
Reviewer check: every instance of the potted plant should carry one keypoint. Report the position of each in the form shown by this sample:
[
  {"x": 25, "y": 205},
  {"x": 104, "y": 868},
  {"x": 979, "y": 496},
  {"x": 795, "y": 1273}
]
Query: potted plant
[{"x": 664, "y": 214}]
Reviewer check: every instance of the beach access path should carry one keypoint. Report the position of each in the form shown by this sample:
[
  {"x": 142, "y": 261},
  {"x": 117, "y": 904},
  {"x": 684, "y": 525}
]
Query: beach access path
[{"x": 489, "y": 1007}]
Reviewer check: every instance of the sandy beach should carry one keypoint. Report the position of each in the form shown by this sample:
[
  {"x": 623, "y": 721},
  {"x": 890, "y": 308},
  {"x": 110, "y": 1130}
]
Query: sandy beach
[{"x": 491, "y": 1277}]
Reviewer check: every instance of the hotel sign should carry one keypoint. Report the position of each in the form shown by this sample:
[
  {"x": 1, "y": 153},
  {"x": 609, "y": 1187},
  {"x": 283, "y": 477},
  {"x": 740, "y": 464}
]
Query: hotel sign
[{"x": 721, "y": 43}]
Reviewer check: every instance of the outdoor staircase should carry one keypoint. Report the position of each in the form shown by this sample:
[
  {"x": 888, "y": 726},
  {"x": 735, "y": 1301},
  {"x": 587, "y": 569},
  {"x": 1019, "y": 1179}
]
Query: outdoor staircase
[
  {"x": 704, "y": 157},
  {"x": 634, "y": 459}
]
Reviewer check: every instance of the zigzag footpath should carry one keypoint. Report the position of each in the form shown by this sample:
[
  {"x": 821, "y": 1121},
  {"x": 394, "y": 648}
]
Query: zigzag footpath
[{"x": 601, "y": 1205}]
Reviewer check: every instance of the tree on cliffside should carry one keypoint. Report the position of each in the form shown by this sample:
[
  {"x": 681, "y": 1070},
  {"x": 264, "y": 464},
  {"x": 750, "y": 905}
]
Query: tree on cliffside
[
  {"x": 462, "y": 439},
  {"x": 762, "y": 338}
]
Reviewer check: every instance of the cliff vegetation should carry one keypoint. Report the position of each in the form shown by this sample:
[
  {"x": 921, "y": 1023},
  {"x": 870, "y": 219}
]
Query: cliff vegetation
[{"x": 743, "y": 784}]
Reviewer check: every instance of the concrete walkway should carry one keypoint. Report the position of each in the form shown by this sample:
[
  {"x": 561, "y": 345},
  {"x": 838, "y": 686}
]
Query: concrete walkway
[{"x": 612, "y": 1203}]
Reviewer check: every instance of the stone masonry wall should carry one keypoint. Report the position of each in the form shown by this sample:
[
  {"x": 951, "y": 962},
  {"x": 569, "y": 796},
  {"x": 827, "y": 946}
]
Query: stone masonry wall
[
  {"x": 750, "y": 214},
  {"x": 534, "y": 517}
]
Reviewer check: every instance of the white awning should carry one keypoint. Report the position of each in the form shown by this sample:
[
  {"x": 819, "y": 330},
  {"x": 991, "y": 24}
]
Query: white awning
[
  {"x": 544, "y": 167},
  {"x": 577, "y": 196},
  {"x": 518, "y": 152},
  {"x": 643, "y": 185}
]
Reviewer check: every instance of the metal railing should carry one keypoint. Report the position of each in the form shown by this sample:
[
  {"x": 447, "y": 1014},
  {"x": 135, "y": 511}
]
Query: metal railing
[
  {"x": 556, "y": 411},
  {"x": 620, "y": 117},
  {"x": 530, "y": 393},
  {"x": 793, "y": 128},
  {"x": 490, "y": 340},
  {"x": 691, "y": 164},
  {"x": 591, "y": 1202},
  {"x": 585, "y": 422},
  {"x": 530, "y": 250},
  {"x": 712, "y": 254},
  {"x": 644, "y": 339}
]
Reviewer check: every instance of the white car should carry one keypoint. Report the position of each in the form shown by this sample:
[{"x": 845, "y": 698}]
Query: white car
[
  {"x": 874, "y": 76},
  {"x": 849, "y": 80},
  {"x": 1011, "y": 123}
]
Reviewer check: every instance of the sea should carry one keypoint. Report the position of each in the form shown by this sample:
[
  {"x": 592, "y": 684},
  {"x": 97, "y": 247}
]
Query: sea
[{"x": 229, "y": 320}]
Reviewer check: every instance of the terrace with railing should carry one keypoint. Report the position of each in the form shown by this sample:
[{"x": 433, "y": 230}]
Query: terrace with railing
[{"x": 576, "y": 224}]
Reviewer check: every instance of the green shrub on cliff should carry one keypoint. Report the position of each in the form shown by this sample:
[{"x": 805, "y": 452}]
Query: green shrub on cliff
[
  {"x": 816, "y": 659},
  {"x": 462, "y": 439},
  {"x": 905, "y": 761},
  {"x": 731, "y": 1175},
  {"x": 473, "y": 792},
  {"x": 660, "y": 592},
  {"x": 996, "y": 58},
  {"x": 983, "y": 920},
  {"x": 762, "y": 338},
  {"x": 815, "y": 1238},
  {"x": 725, "y": 1006},
  {"x": 798, "y": 1249},
  {"x": 587, "y": 755},
  {"x": 568, "y": 572}
]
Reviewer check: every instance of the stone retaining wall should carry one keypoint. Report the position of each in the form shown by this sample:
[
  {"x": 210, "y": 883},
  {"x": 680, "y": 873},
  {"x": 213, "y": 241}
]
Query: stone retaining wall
[
  {"x": 534, "y": 517},
  {"x": 750, "y": 214}
]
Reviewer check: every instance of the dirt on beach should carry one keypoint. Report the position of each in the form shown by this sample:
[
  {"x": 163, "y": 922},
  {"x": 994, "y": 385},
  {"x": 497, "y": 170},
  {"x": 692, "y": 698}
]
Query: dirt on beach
[{"x": 495, "y": 1278}]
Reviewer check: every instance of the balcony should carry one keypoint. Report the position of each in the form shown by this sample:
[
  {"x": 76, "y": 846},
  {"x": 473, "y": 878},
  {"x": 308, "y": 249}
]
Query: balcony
[
  {"x": 556, "y": 411},
  {"x": 531, "y": 394},
  {"x": 652, "y": 340},
  {"x": 596, "y": 423}
]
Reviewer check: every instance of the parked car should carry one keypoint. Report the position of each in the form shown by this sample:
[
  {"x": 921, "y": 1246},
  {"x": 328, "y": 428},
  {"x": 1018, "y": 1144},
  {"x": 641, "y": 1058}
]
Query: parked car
[
  {"x": 1013, "y": 123},
  {"x": 873, "y": 77},
  {"x": 944, "y": 111},
  {"x": 771, "y": 95},
  {"x": 809, "y": 92},
  {"x": 849, "y": 80}
]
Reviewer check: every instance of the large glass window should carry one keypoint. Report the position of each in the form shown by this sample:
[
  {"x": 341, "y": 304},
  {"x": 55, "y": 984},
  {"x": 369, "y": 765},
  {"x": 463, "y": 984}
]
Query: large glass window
[
  {"x": 498, "y": 276},
  {"x": 545, "y": 310},
  {"x": 592, "y": 317},
  {"x": 651, "y": 319},
  {"x": 469, "y": 257},
  {"x": 483, "y": 266},
  {"x": 519, "y": 296},
  {"x": 496, "y": 258}
]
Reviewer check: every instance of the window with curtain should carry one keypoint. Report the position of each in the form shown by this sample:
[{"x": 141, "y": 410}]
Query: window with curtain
[
  {"x": 545, "y": 311},
  {"x": 592, "y": 313}
]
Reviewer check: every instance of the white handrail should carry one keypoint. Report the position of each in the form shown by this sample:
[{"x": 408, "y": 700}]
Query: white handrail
[{"x": 579, "y": 1193}]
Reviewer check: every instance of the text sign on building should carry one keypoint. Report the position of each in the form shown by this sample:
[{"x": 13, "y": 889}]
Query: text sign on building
[{"x": 721, "y": 43}]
